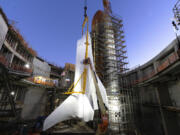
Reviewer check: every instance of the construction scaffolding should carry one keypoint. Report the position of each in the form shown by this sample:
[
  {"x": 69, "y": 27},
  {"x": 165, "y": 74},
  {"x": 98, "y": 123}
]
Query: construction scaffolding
[
  {"x": 7, "y": 104},
  {"x": 176, "y": 11},
  {"x": 110, "y": 61}
]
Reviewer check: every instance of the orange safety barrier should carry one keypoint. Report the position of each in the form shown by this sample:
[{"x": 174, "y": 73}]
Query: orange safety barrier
[
  {"x": 144, "y": 78},
  {"x": 164, "y": 65},
  {"x": 170, "y": 60},
  {"x": 173, "y": 57},
  {"x": 43, "y": 81}
]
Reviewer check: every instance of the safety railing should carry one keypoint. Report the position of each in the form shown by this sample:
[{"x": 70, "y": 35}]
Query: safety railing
[
  {"x": 160, "y": 67},
  {"x": 170, "y": 60},
  {"x": 12, "y": 66},
  {"x": 43, "y": 81},
  {"x": 20, "y": 68}
]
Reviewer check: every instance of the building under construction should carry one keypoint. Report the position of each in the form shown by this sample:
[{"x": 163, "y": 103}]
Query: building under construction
[
  {"x": 29, "y": 85},
  {"x": 110, "y": 60}
]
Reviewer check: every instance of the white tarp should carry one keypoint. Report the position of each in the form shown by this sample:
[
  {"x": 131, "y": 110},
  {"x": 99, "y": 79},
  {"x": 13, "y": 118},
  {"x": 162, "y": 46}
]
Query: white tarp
[
  {"x": 80, "y": 106},
  {"x": 3, "y": 30}
]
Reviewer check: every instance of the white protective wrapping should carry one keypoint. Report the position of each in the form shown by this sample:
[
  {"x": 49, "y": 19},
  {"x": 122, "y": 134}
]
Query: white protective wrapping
[
  {"x": 80, "y": 106},
  {"x": 3, "y": 30}
]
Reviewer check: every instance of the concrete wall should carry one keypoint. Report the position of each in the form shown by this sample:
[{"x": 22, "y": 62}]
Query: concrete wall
[
  {"x": 41, "y": 68},
  {"x": 3, "y": 30},
  {"x": 153, "y": 100},
  {"x": 150, "y": 117},
  {"x": 155, "y": 66},
  {"x": 174, "y": 91},
  {"x": 149, "y": 95},
  {"x": 34, "y": 103},
  {"x": 158, "y": 86}
]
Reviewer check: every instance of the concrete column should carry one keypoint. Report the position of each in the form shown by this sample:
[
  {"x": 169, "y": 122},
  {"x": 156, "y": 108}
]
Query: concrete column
[
  {"x": 34, "y": 103},
  {"x": 161, "y": 112},
  {"x": 139, "y": 73},
  {"x": 176, "y": 46},
  {"x": 155, "y": 64},
  {"x": 1, "y": 46},
  {"x": 16, "y": 46},
  {"x": 13, "y": 53},
  {"x": 11, "y": 59}
]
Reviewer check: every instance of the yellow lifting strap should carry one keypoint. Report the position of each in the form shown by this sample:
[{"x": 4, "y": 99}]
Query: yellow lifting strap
[
  {"x": 84, "y": 23},
  {"x": 84, "y": 74},
  {"x": 71, "y": 89},
  {"x": 86, "y": 55}
]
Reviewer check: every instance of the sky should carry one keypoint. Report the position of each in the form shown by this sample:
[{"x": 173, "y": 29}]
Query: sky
[{"x": 52, "y": 27}]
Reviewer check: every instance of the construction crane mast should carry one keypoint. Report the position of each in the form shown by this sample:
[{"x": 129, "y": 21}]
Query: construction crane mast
[
  {"x": 176, "y": 20},
  {"x": 176, "y": 11}
]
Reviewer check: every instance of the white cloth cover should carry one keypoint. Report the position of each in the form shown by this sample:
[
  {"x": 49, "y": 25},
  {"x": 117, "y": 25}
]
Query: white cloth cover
[
  {"x": 3, "y": 30},
  {"x": 80, "y": 106}
]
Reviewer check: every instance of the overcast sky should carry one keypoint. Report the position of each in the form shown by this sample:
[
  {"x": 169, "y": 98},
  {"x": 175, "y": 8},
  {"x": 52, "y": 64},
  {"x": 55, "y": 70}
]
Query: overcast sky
[{"x": 52, "y": 27}]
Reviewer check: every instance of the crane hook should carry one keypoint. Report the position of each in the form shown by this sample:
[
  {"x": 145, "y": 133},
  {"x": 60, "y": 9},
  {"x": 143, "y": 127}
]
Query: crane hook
[
  {"x": 85, "y": 16},
  {"x": 85, "y": 8}
]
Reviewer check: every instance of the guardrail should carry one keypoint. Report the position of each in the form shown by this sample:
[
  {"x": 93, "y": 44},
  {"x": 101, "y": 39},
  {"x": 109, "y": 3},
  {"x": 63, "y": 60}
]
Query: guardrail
[
  {"x": 20, "y": 68},
  {"x": 171, "y": 59},
  {"x": 15, "y": 67},
  {"x": 43, "y": 81}
]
